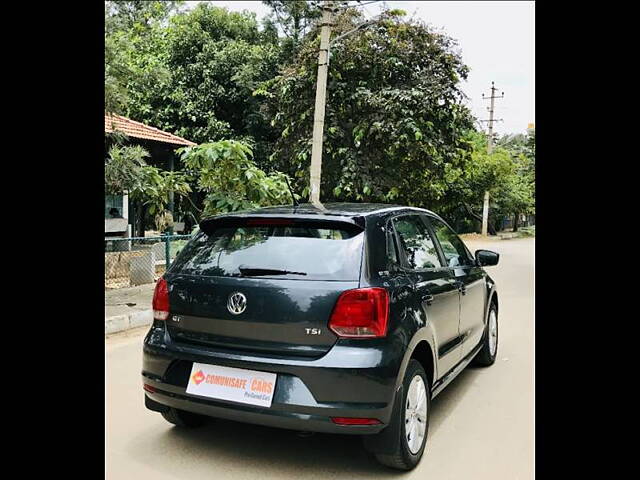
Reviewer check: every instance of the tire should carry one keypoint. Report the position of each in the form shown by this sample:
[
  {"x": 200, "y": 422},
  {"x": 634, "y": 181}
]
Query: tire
[
  {"x": 406, "y": 454},
  {"x": 486, "y": 357},
  {"x": 183, "y": 419}
]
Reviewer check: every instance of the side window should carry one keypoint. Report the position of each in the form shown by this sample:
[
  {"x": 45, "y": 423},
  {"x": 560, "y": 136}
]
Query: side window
[
  {"x": 454, "y": 250},
  {"x": 416, "y": 242}
]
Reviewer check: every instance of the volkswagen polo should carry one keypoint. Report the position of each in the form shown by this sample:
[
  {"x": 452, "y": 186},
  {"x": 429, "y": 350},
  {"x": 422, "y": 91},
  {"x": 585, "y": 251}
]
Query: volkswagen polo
[{"x": 342, "y": 318}]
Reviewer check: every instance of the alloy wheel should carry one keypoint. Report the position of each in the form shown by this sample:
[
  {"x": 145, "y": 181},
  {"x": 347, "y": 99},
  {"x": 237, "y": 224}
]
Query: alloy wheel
[
  {"x": 416, "y": 414},
  {"x": 493, "y": 332}
]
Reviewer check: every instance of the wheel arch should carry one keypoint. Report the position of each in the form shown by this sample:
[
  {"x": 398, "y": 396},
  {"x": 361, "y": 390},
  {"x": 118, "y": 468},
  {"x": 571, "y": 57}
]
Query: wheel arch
[
  {"x": 423, "y": 353},
  {"x": 421, "y": 347},
  {"x": 494, "y": 299}
]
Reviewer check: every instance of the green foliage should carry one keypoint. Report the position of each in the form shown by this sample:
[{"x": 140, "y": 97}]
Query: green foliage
[
  {"x": 116, "y": 71},
  {"x": 507, "y": 174},
  {"x": 123, "y": 167},
  {"x": 394, "y": 114},
  {"x": 483, "y": 171},
  {"x": 528, "y": 231},
  {"x": 231, "y": 181},
  {"x": 213, "y": 60},
  {"x": 396, "y": 127},
  {"x": 154, "y": 187},
  {"x": 294, "y": 18},
  {"x": 138, "y": 14},
  {"x": 517, "y": 195},
  {"x": 126, "y": 170},
  {"x": 133, "y": 51}
]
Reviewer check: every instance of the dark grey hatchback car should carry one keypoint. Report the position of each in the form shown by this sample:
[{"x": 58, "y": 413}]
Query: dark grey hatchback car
[{"x": 344, "y": 319}]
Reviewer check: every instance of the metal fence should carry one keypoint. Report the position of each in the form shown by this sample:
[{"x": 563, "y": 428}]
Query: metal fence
[{"x": 139, "y": 260}]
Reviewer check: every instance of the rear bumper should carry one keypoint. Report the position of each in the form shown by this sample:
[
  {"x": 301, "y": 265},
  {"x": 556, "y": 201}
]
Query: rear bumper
[
  {"x": 278, "y": 415},
  {"x": 346, "y": 382}
]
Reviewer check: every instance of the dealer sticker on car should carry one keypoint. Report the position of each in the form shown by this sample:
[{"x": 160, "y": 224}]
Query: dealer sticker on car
[{"x": 233, "y": 384}]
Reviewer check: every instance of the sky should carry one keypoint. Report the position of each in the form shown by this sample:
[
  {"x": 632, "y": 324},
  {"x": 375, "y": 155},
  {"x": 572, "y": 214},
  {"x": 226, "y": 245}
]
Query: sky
[{"x": 497, "y": 43}]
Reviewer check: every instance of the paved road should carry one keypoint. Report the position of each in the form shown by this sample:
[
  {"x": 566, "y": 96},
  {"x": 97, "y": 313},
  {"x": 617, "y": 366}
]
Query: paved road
[{"x": 482, "y": 424}]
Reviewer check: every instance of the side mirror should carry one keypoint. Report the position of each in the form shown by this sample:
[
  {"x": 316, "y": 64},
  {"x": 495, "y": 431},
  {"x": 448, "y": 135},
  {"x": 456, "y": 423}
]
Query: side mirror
[{"x": 486, "y": 258}]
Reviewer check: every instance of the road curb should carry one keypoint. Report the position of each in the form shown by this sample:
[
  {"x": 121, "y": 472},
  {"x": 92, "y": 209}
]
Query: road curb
[
  {"x": 509, "y": 236},
  {"x": 120, "y": 323}
]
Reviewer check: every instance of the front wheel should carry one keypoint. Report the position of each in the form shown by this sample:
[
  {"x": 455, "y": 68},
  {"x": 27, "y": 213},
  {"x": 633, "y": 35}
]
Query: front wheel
[
  {"x": 488, "y": 353},
  {"x": 413, "y": 418}
]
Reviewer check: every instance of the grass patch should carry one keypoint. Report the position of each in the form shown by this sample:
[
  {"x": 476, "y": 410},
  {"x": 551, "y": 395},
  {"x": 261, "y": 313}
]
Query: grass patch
[{"x": 527, "y": 231}]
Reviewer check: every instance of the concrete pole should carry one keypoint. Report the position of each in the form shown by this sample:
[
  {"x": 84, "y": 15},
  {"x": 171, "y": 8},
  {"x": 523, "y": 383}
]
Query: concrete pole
[
  {"x": 485, "y": 207},
  {"x": 321, "y": 97},
  {"x": 485, "y": 214},
  {"x": 490, "y": 139}
]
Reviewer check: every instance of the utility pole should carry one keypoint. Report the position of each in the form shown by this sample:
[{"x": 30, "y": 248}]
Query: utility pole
[
  {"x": 485, "y": 207},
  {"x": 321, "y": 96}
]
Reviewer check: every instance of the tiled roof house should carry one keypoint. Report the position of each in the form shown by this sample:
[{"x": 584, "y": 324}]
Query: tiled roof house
[
  {"x": 135, "y": 129},
  {"x": 160, "y": 145}
]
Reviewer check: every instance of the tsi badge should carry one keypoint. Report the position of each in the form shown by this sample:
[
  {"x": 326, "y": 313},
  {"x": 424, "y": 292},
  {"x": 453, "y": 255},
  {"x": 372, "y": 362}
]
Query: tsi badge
[{"x": 313, "y": 331}]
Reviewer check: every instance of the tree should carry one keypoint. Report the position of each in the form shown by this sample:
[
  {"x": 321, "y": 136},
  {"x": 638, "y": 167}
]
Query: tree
[
  {"x": 396, "y": 127},
  {"x": 215, "y": 59},
  {"x": 225, "y": 173},
  {"x": 116, "y": 72},
  {"x": 519, "y": 195},
  {"x": 507, "y": 173},
  {"x": 294, "y": 18},
  {"x": 529, "y": 149},
  {"x": 132, "y": 51},
  {"x": 516, "y": 194},
  {"x": 122, "y": 169},
  {"x": 394, "y": 116},
  {"x": 480, "y": 172},
  {"x": 514, "y": 142},
  {"x": 127, "y": 171},
  {"x": 126, "y": 15}
]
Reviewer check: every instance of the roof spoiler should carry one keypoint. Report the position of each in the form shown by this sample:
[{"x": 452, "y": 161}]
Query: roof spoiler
[{"x": 239, "y": 219}]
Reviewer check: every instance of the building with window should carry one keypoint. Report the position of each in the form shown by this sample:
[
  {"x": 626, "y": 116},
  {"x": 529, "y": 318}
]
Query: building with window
[{"x": 121, "y": 216}]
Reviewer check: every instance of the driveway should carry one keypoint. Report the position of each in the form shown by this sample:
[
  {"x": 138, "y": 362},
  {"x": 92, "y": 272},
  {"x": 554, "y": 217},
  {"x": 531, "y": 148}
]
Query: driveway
[{"x": 482, "y": 424}]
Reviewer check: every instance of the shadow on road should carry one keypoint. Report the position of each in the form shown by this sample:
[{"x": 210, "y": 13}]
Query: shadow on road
[{"x": 225, "y": 446}]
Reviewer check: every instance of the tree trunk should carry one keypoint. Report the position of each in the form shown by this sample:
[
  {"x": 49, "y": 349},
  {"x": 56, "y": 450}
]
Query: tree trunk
[
  {"x": 490, "y": 227},
  {"x": 472, "y": 213},
  {"x": 515, "y": 222}
]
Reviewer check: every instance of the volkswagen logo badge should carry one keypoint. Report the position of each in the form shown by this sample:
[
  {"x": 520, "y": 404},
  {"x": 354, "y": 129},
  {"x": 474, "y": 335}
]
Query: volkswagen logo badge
[{"x": 237, "y": 303}]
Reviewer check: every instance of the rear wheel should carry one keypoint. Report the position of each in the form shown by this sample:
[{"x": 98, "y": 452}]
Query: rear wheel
[
  {"x": 488, "y": 353},
  {"x": 413, "y": 420},
  {"x": 182, "y": 418}
]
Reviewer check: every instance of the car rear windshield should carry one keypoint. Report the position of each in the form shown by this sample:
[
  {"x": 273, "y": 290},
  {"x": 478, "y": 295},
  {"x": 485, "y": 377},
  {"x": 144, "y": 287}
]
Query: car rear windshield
[{"x": 275, "y": 249}]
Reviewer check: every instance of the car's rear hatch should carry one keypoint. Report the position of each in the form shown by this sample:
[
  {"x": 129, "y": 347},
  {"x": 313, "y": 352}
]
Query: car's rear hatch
[{"x": 264, "y": 285}]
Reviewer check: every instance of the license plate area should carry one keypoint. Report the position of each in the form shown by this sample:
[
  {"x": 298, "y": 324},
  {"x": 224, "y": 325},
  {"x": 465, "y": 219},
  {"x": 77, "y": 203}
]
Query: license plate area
[{"x": 233, "y": 384}]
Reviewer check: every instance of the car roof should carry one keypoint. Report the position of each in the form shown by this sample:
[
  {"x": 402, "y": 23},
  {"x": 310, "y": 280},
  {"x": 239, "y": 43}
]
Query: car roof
[{"x": 348, "y": 210}]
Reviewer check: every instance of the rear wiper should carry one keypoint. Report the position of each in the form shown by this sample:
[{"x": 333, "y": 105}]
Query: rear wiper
[{"x": 256, "y": 271}]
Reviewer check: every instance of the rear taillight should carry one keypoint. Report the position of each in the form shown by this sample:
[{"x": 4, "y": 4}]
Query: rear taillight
[
  {"x": 161, "y": 300},
  {"x": 361, "y": 313},
  {"x": 148, "y": 388}
]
